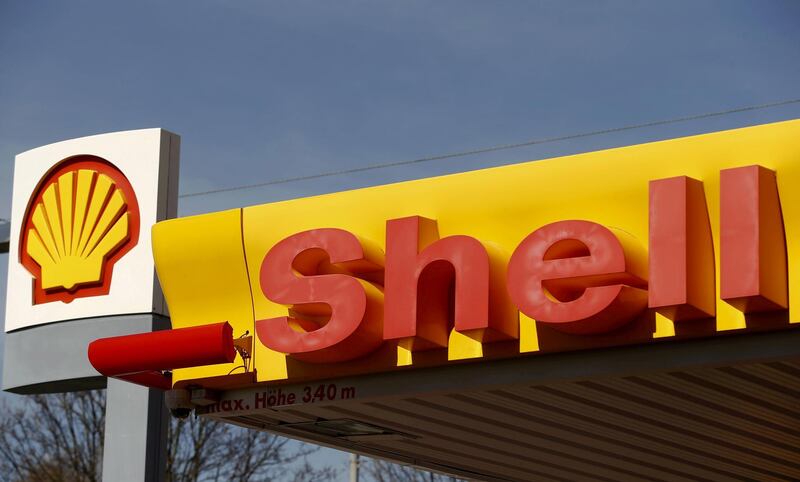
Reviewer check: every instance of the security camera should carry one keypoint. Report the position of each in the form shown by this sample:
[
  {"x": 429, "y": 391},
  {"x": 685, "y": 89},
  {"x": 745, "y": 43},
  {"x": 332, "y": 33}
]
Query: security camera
[
  {"x": 180, "y": 412},
  {"x": 179, "y": 402}
]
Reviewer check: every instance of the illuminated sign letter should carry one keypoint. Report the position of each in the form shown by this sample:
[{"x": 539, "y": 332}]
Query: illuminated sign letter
[
  {"x": 333, "y": 316},
  {"x": 427, "y": 277},
  {"x": 681, "y": 274},
  {"x": 753, "y": 273},
  {"x": 575, "y": 277}
]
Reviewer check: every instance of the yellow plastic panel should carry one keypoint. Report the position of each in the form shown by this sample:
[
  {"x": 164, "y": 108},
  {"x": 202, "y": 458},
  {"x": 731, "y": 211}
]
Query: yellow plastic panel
[
  {"x": 82, "y": 193},
  {"x": 201, "y": 267},
  {"x": 65, "y": 203}
]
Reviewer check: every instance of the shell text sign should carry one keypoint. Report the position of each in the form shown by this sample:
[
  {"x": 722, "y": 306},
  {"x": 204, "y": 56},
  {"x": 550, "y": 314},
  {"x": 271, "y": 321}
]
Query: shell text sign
[
  {"x": 81, "y": 219},
  {"x": 683, "y": 238}
]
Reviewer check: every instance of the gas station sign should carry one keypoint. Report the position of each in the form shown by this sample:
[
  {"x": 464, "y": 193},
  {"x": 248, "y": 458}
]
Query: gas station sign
[
  {"x": 80, "y": 255},
  {"x": 682, "y": 238}
]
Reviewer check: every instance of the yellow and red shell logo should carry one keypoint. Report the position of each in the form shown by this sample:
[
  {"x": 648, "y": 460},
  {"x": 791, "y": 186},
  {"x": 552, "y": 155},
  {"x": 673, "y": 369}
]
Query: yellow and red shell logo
[{"x": 81, "y": 219}]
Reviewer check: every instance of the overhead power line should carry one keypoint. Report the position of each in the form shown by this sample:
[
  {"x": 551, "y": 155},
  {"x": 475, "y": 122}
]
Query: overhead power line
[{"x": 501, "y": 147}]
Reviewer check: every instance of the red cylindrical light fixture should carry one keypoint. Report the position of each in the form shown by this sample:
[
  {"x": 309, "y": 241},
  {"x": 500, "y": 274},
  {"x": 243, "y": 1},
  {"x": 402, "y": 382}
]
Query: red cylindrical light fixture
[{"x": 122, "y": 356}]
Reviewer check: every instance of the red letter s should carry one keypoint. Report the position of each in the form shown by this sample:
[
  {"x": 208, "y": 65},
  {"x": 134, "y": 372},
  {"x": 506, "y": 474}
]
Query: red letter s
[{"x": 296, "y": 272}]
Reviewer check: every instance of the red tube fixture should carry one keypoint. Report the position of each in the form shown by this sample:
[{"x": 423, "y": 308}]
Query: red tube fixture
[{"x": 142, "y": 358}]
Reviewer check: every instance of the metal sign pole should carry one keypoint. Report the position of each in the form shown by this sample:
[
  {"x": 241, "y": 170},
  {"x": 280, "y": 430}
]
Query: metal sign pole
[
  {"x": 134, "y": 451},
  {"x": 354, "y": 467},
  {"x": 5, "y": 235}
]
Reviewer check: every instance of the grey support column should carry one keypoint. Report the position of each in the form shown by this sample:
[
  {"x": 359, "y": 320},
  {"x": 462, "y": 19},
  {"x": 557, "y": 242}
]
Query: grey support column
[
  {"x": 136, "y": 433},
  {"x": 5, "y": 234}
]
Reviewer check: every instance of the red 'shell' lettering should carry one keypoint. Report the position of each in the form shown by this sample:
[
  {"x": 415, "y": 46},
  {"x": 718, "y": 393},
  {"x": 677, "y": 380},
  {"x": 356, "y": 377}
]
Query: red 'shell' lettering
[{"x": 578, "y": 277}]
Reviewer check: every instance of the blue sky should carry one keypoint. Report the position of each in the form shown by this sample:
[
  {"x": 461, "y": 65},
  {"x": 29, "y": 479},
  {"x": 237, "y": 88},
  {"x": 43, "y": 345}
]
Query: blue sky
[{"x": 268, "y": 90}]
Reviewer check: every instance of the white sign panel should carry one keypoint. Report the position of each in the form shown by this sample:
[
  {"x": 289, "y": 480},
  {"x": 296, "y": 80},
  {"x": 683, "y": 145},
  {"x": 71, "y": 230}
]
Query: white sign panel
[{"x": 81, "y": 215}]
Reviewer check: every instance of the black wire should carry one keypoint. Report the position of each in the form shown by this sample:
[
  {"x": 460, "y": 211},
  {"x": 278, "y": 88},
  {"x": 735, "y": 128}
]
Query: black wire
[{"x": 491, "y": 149}]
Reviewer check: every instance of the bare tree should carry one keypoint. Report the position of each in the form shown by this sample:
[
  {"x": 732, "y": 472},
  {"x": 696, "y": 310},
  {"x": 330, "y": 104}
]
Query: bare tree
[
  {"x": 202, "y": 450},
  {"x": 53, "y": 438},
  {"x": 382, "y": 471}
]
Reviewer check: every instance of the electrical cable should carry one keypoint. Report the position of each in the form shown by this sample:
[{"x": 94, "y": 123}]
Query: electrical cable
[{"x": 495, "y": 148}]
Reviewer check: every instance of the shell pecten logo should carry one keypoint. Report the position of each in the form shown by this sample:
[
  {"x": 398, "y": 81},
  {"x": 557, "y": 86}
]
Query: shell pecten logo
[{"x": 81, "y": 219}]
